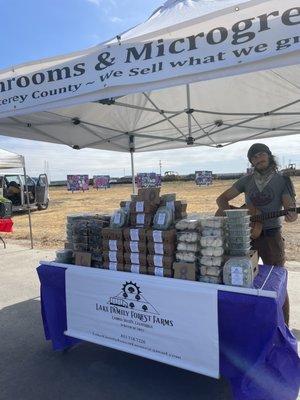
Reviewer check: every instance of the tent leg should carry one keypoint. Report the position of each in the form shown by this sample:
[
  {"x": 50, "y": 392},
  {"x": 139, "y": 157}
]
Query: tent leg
[
  {"x": 132, "y": 173},
  {"x": 188, "y": 96},
  {"x": 28, "y": 207}
]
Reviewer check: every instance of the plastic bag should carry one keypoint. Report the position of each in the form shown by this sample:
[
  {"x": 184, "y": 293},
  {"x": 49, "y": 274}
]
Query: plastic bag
[
  {"x": 163, "y": 218},
  {"x": 119, "y": 219}
]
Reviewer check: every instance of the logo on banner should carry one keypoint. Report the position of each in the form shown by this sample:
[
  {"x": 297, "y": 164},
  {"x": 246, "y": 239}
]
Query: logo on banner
[
  {"x": 131, "y": 297},
  {"x": 129, "y": 306}
]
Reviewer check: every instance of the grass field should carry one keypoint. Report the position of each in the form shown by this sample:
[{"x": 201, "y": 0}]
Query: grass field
[{"x": 49, "y": 225}]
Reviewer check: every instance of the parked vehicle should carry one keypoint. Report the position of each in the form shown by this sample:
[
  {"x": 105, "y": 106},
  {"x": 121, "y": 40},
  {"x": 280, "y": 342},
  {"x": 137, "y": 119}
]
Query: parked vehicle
[{"x": 14, "y": 188}]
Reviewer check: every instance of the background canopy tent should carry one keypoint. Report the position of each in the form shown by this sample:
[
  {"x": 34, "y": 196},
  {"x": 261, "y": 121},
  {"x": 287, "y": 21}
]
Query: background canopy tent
[
  {"x": 202, "y": 73},
  {"x": 10, "y": 160}
]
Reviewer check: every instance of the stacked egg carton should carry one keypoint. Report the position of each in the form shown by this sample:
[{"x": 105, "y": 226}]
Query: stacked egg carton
[
  {"x": 238, "y": 232},
  {"x": 213, "y": 246},
  {"x": 188, "y": 246}
]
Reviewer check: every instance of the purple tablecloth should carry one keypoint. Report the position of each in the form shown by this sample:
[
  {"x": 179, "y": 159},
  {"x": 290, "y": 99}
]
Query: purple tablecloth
[{"x": 258, "y": 353}]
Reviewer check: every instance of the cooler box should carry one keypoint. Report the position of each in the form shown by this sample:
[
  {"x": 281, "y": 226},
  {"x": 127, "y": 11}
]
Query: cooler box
[{"x": 5, "y": 208}]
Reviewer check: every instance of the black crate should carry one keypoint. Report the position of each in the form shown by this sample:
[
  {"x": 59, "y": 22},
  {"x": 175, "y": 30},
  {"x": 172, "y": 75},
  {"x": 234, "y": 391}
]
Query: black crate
[{"x": 5, "y": 208}]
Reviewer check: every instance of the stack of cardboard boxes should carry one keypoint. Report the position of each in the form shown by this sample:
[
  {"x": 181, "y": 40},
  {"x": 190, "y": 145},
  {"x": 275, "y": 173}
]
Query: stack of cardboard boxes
[
  {"x": 135, "y": 244},
  {"x": 161, "y": 248},
  {"x": 113, "y": 249},
  {"x": 145, "y": 250}
]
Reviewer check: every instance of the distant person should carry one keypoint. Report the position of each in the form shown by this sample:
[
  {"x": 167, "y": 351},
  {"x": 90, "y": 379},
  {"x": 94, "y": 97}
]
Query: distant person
[
  {"x": 14, "y": 193},
  {"x": 266, "y": 190}
]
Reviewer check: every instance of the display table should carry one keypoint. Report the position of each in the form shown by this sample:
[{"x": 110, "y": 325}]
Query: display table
[{"x": 258, "y": 354}]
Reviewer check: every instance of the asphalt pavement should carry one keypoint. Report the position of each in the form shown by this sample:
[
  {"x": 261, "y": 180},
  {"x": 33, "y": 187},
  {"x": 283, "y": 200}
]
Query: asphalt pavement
[{"x": 31, "y": 370}]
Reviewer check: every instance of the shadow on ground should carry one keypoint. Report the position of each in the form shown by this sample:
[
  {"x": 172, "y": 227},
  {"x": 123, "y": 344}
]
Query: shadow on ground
[{"x": 31, "y": 370}]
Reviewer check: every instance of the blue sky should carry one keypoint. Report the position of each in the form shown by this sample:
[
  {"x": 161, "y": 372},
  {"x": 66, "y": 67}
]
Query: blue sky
[{"x": 35, "y": 29}]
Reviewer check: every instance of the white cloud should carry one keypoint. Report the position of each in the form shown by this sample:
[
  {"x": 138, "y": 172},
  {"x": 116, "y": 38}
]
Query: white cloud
[
  {"x": 96, "y": 2},
  {"x": 116, "y": 19}
]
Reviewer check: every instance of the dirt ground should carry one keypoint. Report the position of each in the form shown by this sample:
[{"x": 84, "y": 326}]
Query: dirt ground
[{"x": 49, "y": 225}]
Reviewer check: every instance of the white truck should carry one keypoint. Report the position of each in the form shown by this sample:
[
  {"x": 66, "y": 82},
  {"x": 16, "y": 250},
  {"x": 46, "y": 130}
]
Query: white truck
[{"x": 12, "y": 187}]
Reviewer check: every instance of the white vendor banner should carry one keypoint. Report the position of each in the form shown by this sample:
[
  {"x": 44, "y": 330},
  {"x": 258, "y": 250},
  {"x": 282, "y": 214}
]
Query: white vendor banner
[
  {"x": 167, "y": 320},
  {"x": 247, "y": 38}
]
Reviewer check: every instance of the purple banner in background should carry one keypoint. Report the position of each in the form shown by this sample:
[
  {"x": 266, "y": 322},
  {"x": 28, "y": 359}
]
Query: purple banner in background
[
  {"x": 203, "y": 178},
  {"x": 101, "y": 181},
  {"x": 148, "y": 179},
  {"x": 77, "y": 182}
]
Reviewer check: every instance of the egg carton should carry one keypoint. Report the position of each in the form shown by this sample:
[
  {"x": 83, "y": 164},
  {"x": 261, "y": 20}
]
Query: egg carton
[
  {"x": 188, "y": 236},
  {"x": 213, "y": 222}
]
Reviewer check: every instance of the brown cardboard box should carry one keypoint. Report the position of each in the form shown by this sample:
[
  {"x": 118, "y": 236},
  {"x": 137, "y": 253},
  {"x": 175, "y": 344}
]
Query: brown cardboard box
[
  {"x": 113, "y": 234},
  {"x": 82, "y": 258},
  {"x": 157, "y": 236},
  {"x": 167, "y": 273},
  {"x": 177, "y": 205},
  {"x": 135, "y": 246},
  {"x": 160, "y": 261},
  {"x": 125, "y": 204},
  {"x": 185, "y": 270},
  {"x": 211, "y": 271},
  {"x": 135, "y": 234},
  {"x": 135, "y": 258},
  {"x": 136, "y": 269},
  {"x": 113, "y": 245},
  {"x": 180, "y": 215},
  {"x": 113, "y": 256},
  {"x": 113, "y": 266},
  {"x": 167, "y": 249},
  {"x": 143, "y": 206},
  {"x": 167, "y": 197},
  {"x": 149, "y": 194},
  {"x": 141, "y": 219}
]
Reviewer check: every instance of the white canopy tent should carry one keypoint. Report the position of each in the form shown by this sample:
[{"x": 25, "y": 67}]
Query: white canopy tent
[
  {"x": 196, "y": 73},
  {"x": 10, "y": 160}
]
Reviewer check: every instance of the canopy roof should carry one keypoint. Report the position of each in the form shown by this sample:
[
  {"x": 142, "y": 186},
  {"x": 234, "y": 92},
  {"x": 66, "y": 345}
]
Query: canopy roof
[
  {"x": 208, "y": 72},
  {"x": 10, "y": 160}
]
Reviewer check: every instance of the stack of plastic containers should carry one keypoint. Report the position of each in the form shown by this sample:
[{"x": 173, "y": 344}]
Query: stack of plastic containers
[
  {"x": 212, "y": 250},
  {"x": 238, "y": 232},
  {"x": 64, "y": 256},
  {"x": 241, "y": 268}
]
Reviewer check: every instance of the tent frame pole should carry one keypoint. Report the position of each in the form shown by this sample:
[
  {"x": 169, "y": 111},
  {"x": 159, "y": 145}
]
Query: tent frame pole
[
  {"x": 28, "y": 205},
  {"x": 132, "y": 150},
  {"x": 188, "y": 101},
  {"x": 132, "y": 172}
]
